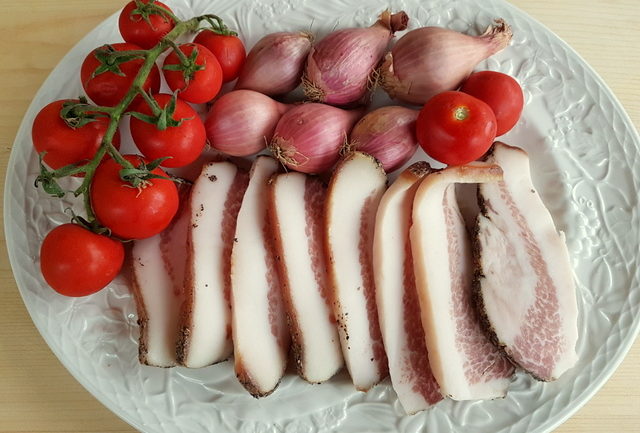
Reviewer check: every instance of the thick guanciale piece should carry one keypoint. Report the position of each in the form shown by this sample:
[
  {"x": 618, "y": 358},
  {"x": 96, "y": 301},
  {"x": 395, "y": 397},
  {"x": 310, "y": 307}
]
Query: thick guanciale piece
[
  {"x": 260, "y": 332},
  {"x": 296, "y": 202},
  {"x": 523, "y": 276},
  {"x": 205, "y": 323},
  {"x": 464, "y": 361},
  {"x": 397, "y": 298},
  {"x": 355, "y": 189},
  {"x": 158, "y": 265}
]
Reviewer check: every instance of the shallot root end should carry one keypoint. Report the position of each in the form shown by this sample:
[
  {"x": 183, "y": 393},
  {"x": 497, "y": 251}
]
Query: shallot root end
[
  {"x": 312, "y": 91},
  {"x": 500, "y": 33},
  {"x": 394, "y": 22}
]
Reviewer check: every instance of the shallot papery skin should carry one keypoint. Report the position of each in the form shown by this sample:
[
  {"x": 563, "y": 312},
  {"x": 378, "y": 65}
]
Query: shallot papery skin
[
  {"x": 275, "y": 64},
  {"x": 340, "y": 67},
  {"x": 431, "y": 60},
  {"x": 241, "y": 122},
  {"x": 388, "y": 134},
  {"x": 308, "y": 138}
]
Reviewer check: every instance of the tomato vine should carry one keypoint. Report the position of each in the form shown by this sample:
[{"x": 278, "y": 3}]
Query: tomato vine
[{"x": 77, "y": 114}]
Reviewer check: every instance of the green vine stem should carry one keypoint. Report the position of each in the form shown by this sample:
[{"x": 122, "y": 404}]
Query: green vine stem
[
  {"x": 218, "y": 26},
  {"x": 184, "y": 60}
]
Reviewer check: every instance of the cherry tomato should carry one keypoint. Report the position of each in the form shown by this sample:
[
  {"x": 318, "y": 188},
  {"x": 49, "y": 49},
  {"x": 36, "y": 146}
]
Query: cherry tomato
[
  {"x": 501, "y": 92},
  {"x": 455, "y": 128},
  {"x": 64, "y": 143},
  {"x": 143, "y": 27},
  {"x": 202, "y": 79},
  {"x": 109, "y": 87},
  {"x": 77, "y": 262},
  {"x": 228, "y": 49},
  {"x": 182, "y": 143},
  {"x": 132, "y": 213}
]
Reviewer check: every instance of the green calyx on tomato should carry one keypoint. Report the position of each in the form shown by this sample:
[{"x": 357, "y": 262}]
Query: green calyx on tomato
[
  {"x": 149, "y": 8},
  {"x": 140, "y": 175},
  {"x": 187, "y": 65},
  {"x": 110, "y": 60},
  {"x": 161, "y": 117},
  {"x": 145, "y": 23},
  {"x": 79, "y": 113},
  {"x": 193, "y": 71},
  {"x": 133, "y": 212},
  {"x": 218, "y": 26},
  {"x": 182, "y": 143}
]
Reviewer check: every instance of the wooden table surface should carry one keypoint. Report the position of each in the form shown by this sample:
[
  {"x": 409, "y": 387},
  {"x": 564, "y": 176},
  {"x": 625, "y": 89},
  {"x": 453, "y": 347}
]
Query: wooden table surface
[{"x": 37, "y": 394}]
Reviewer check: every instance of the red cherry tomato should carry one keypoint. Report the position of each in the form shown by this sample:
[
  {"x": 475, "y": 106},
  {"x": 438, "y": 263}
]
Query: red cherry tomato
[
  {"x": 201, "y": 81},
  {"x": 501, "y": 92},
  {"x": 182, "y": 143},
  {"x": 455, "y": 128},
  {"x": 132, "y": 213},
  {"x": 109, "y": 87},
  {"x": 77, "y": 262},
  {"x": 228, "y": 49},
  {"x": 144, "y": 27},
  {"x": 63, "y": 143}
]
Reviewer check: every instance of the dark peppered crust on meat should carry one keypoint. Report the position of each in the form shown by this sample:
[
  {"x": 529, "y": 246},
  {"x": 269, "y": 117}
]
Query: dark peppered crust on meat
[
  {"x": 247, "y": 381},
  {"x": 141, "y": 310},
  {"x": 185, "y": 321}
]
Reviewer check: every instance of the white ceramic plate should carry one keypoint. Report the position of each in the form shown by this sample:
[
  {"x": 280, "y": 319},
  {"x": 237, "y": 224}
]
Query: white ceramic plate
[{"x": 586, "y": 166}]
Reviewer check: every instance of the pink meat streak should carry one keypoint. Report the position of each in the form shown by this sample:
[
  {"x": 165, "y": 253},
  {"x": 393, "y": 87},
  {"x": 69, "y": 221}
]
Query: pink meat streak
[
  {"x": 539, "y": 343},
  {"x": 314, "y": 196},
  {"x": 365, "y": 246},
  {"x": 483, "y": 362},
  {"x": 228, "y": 230},
  {"x": 173, "y": 242},
  {"x": 277, "y": 313},
  {"x": 417, "y": 369}
]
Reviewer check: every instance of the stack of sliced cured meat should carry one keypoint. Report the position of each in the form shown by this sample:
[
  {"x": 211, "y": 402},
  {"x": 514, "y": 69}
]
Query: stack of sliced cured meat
[{"x": 382, "y": 281}]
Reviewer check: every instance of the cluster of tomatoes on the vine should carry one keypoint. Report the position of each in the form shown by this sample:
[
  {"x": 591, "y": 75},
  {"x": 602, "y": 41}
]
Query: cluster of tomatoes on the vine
[{"x": 128, "y": 196}]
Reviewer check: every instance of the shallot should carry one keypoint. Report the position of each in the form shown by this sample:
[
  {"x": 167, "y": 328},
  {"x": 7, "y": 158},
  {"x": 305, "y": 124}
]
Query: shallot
[
  {"x": 241, "y": 122},
  {"x": 388, "y": 134},
  {"x": 308, "y": 138},
  {"x": 340, "y": 68},
  {"x": 274, "y": 65},
  {"x": 430, "y": 60}
]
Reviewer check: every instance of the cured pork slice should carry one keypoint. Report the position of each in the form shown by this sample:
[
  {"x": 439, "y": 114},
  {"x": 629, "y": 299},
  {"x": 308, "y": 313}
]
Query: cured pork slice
[
  {"x": 355, "y": 189},
  {"x": 396, "y": 295},
  {"x": 464, "y": 361},
  {"x": 205, "y": 336},
  {"x": 158, "y": 265},
  {"x": 260, "y": 332},
  {"x": 524, "y": 276},
  {"x": 295, "y": 209}
]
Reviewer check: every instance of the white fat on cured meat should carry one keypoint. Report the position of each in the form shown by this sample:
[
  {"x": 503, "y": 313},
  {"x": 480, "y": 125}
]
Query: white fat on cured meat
[
  {"x": 355, "y": 189},
  {"x": 295, "y": 209},
  {"x": 158, "y": 265},
  {"x": 466, "y": 364},
  {"x": 524, "y": 276},
  {"x": 205, "y": 336},
  {"x": 397, "y": 298},
  {"x": 260, "y": 332}
]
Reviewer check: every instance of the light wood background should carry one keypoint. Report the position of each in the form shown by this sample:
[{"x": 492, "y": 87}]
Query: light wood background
[{"x": 37, "y": 394}]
